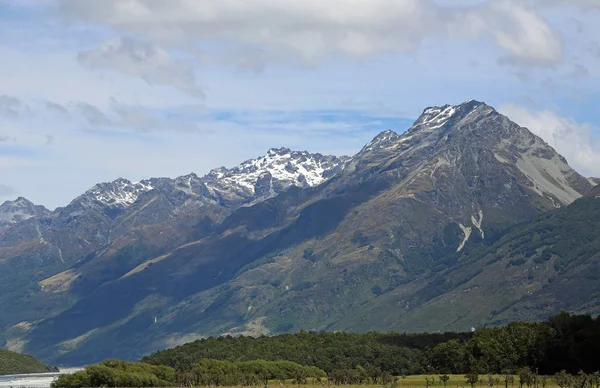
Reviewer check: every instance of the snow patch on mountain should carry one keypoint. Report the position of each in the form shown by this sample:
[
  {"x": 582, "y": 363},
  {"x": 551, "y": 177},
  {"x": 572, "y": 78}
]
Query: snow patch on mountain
[
  {"x": 478, "y": 223},
  {"x": 119, "y": 193},
  {"x": 438, "y": 116},
  {"x": 279, "y": 169},
  {"x": 467, "y": 230},
  {"x": 383, "y": 140},
  {"x": 251, "y": 181}
]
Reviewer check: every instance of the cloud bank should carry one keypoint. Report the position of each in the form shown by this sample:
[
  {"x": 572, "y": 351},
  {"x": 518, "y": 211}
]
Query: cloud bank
[
  {"x": 575, "y": 141},
  {"x": 306, "y": 32}
]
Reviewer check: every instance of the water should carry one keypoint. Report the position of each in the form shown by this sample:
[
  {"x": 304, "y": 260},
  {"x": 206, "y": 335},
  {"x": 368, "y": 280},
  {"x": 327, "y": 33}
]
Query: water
[{"x": 33, "y": 380}]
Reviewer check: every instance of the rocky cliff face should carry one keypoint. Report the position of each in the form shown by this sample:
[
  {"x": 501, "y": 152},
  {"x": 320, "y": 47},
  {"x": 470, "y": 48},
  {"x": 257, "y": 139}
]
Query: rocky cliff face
[{"x": 292, "y": 240}]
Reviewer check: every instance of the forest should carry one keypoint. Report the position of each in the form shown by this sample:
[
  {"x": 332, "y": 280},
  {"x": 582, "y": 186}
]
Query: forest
[
  {"x": 566, "y": 347},
  {"x": 14, "y": 363}
]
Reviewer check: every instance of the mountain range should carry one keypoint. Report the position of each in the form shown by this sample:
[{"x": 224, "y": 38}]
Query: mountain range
[{"x": 464, "y": 220}]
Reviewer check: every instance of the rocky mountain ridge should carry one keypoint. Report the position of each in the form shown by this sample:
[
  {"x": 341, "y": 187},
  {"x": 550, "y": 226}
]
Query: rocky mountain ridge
[
  {"x": 288, "y": 241},
  {"x": 102, "y": 205},
  {"x": 252, "y": 180}
]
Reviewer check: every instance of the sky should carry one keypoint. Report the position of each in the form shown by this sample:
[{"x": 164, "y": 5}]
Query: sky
[{"x": 94, "y": 90}]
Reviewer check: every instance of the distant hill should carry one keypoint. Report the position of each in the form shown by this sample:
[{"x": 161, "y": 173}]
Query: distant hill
[{"x": 12, "y": 363}]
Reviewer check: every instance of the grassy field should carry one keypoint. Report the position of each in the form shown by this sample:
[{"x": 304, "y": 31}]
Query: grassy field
[
  {"x": 418, "y": 381},
  {"x": 460, "y": 381}
]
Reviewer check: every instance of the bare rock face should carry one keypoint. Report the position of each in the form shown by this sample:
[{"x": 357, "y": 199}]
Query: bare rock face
[
  {"x": 288, "y": 241},
  {"x": 594, "y": 192}
]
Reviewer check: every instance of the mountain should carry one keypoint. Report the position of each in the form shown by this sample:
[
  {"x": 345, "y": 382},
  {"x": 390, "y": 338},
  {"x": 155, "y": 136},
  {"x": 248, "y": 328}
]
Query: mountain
[
  {"x": 536, "y": 269},
  {"x": 594, "y": 192},
  {"x": 293, "y": 241},
  {"x": 13, "y": 212},
  {"x": 115, "y": 226},
  {"x": 258, "y": 179},
  {"x": 13, "y": 363}
]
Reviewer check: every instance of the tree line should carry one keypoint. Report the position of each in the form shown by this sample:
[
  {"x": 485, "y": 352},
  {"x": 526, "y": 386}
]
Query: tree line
[
  {"x": 563, "y": 342},
  {"x": 206, "y": 372},
  {"x": 396, "y": 354},
  {"x": 565, "y": 346}
]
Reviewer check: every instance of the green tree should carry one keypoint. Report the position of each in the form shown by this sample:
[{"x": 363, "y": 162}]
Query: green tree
[
  {"x": 563, "y": 379},
  {"x": 444, "y": 379},
  {"x": 472, "y": 378},
  {"x": 508, "y": 378},
  {"x": 374, "y": 373},
  {"x": 448, "y": 357},
  {"x": 581, "y": 380},
  {"x": 526, "y": 377}
]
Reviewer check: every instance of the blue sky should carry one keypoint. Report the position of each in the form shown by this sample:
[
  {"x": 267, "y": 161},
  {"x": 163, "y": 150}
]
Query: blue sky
[{"x": 100, "y": 89}]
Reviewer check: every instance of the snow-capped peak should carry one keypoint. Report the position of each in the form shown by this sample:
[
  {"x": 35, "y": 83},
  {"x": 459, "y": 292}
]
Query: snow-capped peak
[
  {"x": 253, "y": 180},
  {"x": 119, "y": 193},
  {"x": 384, "y": 139},
  {"x": 272, "y": 173},
  {"x": 438, "y": 116}
]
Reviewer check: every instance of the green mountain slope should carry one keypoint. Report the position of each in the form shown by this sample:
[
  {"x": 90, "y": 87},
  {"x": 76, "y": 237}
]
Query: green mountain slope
[
  {"x": 535, "y": 270},
  {"x": 14, "y": 363}
]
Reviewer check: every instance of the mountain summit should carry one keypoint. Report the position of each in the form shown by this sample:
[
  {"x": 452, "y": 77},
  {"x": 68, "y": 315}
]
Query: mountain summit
[
  {"x": 290, "y": 241},
  {"x": 12, "y": 212}
]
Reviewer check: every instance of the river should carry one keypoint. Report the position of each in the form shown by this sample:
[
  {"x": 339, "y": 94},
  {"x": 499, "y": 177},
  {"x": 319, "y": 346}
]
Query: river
[{"x": 33, "y": 380}]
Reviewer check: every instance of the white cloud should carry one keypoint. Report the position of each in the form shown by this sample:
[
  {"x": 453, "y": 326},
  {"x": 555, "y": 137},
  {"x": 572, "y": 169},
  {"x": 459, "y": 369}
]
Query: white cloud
[
  {"x": 527, "y": 37},
  {"x": 57, "y": 109},
  {"x": 571, "y": 139},
  {"x": 376, "y": 57},
  {"x": 143, "y": 120},
  {"x": 151, "y": 63},
  {"x": 585, "y": 4},
  {"x": 310, "y": 31},
  {"x": 11, "y": 107},
  {"x": 93, "y": 115}
]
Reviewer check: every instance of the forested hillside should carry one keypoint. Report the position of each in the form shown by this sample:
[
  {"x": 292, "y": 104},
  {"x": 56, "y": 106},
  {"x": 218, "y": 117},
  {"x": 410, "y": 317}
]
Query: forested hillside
[
  {"x": 526, "y": 353},
  {"x": 15, "y": 363},
  {"x": 562, "y": 342},
  {"x": 395, "y": 353}
]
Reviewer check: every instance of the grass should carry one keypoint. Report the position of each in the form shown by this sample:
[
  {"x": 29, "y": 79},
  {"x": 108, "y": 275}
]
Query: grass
[
  {"x": 460, "y": 381},
  {"x": 417, "y": 381}
]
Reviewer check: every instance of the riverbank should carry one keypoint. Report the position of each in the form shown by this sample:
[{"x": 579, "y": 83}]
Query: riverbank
[{"x": 33, "y": 380}]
